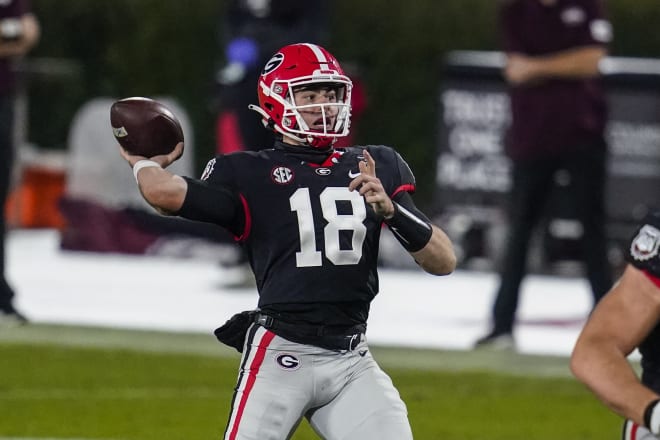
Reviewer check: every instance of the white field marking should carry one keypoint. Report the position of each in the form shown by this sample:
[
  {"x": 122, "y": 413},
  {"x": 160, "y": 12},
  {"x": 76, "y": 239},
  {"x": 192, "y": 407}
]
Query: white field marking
[{"x": 107, "y": 394}]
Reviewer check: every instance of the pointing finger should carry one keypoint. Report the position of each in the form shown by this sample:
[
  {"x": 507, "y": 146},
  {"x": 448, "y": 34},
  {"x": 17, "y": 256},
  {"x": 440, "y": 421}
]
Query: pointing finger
[{"x": 370, "y": 165}]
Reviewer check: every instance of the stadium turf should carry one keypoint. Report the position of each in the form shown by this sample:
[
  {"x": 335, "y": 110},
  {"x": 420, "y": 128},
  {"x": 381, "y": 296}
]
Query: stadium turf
[{"x": 91, "y": 383}]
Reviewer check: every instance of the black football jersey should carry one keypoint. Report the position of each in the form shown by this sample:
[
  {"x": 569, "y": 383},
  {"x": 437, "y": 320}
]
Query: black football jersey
[
  {"x": 308, "y": 238},
  {"x": 644, "y": 254}
]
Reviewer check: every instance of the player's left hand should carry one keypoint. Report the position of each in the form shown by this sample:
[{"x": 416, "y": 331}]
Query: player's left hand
[{"x": 371, "y": 188}]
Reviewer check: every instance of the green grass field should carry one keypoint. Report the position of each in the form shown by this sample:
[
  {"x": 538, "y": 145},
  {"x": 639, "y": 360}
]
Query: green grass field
[{"x": 89, "y": 383}]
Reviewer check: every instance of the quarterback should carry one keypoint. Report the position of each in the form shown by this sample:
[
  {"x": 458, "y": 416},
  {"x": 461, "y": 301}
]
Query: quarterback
[{"x": 309, "y": 217}]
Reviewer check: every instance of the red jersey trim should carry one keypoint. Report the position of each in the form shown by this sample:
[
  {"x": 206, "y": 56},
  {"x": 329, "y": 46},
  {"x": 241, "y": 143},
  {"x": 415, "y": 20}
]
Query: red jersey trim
[
  {"x": 654, "y": 279},
  {"x": 248, "y": 220},
  {"x": 252, "y": 377},
  {"x": 328, "y": 162},
  {"x": 408, "y": 187}
]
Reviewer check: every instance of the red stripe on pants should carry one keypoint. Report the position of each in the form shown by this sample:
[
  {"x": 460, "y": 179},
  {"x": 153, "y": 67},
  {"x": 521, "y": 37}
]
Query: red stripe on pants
[{"x": 252, "y": 377}]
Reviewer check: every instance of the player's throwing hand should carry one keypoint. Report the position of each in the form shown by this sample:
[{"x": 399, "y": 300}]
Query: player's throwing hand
[{"x": 164, "y": 160}]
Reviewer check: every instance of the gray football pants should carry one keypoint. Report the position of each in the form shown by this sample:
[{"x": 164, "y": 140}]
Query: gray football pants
[
  {"x": 633, "y": 431},
  {"x": 344, "y": 395}
]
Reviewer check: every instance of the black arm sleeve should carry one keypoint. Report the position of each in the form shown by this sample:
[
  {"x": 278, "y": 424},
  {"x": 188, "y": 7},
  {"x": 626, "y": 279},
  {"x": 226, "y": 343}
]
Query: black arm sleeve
[
  {"x": 213, "y": 204},
  {"x": 408, "y": 225},
  {"x": 405, "y": 199}
]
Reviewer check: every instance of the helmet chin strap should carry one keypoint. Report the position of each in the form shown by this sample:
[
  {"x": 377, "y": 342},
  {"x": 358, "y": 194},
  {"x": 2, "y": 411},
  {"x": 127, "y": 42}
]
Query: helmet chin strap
[
  {"x": 267, "y": 122},
  {"x": 320, "y": 142},
  {"x": 312, "y": 141}
]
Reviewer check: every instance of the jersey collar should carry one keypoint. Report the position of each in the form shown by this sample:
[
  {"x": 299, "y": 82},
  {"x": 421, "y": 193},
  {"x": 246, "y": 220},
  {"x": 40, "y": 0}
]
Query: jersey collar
[{"x": 314, "y": 156}]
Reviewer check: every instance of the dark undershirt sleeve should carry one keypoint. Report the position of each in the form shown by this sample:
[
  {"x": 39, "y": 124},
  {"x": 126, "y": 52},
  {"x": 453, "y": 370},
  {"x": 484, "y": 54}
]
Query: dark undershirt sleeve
[{"x": 213, "y": 204}]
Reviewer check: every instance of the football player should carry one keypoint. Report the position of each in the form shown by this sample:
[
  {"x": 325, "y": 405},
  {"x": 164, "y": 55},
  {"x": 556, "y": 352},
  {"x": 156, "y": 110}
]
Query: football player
[
  {"x": 626, "y": 319},
  {"x": 309, "y": 216}
]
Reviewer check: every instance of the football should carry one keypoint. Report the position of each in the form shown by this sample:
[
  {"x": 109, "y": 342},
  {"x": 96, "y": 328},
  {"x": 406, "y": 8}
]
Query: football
[{"x": 145, "y": 127}]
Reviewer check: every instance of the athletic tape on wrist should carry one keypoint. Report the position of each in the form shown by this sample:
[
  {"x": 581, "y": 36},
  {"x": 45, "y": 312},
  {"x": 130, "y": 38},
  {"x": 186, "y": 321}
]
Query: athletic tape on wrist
[
  {"x": 144, "y": 163},
  {"x": 652, "y": 416},
  {"x": 411, "y": 231}
]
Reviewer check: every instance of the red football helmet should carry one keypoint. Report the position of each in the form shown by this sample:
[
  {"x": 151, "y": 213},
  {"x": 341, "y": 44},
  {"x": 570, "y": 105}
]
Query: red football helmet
[{"x": 296, "y": 67}]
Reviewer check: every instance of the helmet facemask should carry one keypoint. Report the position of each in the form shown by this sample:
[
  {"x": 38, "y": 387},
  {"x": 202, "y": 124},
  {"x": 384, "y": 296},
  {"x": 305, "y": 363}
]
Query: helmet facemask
[{"x": 332, "y": 118}]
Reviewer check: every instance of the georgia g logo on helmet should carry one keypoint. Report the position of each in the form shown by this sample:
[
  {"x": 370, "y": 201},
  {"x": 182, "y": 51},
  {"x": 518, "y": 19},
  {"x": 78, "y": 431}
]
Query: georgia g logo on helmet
[{"x": 273, "y": 63}]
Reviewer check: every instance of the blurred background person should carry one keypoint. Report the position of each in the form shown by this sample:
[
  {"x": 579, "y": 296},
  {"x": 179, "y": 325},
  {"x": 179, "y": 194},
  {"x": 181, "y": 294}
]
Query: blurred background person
[
  {"x": 19, "y": 32},
  {"x": 553, "y": 49}
]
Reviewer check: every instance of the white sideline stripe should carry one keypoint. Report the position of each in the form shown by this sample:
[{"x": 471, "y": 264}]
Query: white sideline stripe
[
  {"x": 413, "y": 309},
  {"x": 101, "y": 394}
]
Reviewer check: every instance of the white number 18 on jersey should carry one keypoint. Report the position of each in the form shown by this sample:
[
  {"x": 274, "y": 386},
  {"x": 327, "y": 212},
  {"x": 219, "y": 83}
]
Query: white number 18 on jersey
[{"x": 301, "y": 204}]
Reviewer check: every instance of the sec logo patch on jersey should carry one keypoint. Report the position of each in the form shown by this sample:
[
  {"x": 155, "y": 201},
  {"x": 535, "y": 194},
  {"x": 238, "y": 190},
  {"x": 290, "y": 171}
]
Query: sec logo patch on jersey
[
  {"x": 645, "y": 245},
  {"x": 281, "y": 175}
]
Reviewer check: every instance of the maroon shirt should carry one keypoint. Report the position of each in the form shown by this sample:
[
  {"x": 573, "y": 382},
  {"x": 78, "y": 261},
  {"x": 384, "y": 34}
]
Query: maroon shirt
[
  {"x": 10, "y": 9},
  {"x": 557, "y": 115}
]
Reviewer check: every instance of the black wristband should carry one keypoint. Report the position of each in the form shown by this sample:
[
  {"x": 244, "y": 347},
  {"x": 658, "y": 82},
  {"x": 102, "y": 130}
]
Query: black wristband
[
  {"x": 648, "y": 412},
  {"x": 411, "y": 231}
]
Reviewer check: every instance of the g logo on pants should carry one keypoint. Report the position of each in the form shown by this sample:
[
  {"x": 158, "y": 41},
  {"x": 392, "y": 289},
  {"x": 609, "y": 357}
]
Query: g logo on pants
[{"x": 288, "y": 361}]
